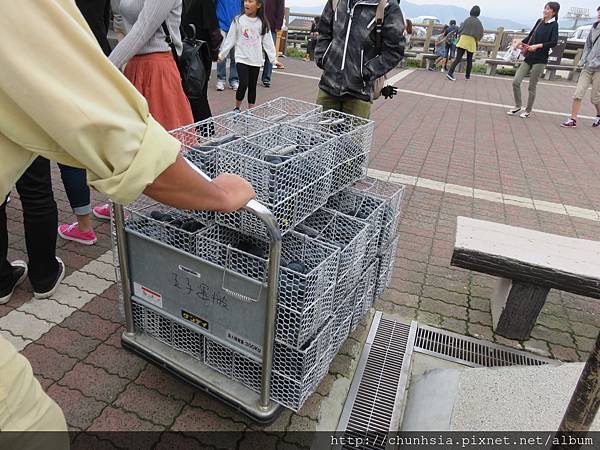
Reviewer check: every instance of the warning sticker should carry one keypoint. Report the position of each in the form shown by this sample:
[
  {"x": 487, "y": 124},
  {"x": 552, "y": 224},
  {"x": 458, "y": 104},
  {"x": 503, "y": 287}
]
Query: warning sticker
[
  {"x": 244, "y": 342},
  {"x": 147, "y": 294}
]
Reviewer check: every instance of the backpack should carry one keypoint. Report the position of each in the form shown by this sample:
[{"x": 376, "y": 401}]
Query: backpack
[
  {"x": 379, "y": 83},
  {"x": 194, "y": 63},
  {"x": 452, "y": 38}
]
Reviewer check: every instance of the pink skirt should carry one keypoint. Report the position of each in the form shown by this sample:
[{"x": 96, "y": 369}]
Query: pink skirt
[{"x": 156, "y": 76}]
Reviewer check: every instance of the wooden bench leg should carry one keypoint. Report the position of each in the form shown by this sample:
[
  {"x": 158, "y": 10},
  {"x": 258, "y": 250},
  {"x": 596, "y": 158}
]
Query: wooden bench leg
[{"x": 516, "y": 307}]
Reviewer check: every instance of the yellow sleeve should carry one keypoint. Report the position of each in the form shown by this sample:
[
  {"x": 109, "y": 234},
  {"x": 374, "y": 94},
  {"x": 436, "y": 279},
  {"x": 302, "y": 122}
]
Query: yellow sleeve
[{"x": 61, "y": 98}]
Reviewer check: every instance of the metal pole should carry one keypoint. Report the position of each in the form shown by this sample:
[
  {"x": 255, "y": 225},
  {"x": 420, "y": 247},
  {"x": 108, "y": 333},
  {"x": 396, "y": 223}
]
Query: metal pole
[
  {"x": 585, "y": 401},
  {"x": 123, "y": 264}
]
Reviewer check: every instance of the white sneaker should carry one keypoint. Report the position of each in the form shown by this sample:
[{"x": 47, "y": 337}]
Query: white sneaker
[
  {"x": 525, "y": 115},
  {"x": 220, "y": 85},
  {"x": 235, "y": 85},
  {"x": 514, "y": 111}
]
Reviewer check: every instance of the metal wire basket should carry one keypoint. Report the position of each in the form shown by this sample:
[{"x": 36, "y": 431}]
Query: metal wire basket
[
  {"x": 347, "y": 233},
  {"x": 385, "y": 267},
  {"x": 364, "y": 206},
  {"x": 289, "y": 168},
  {"x": 355, "y": 137},
  {"x": 284, "y": 109},
  {"x": 392, "y": 193},
  {"x": 364, "y": 295},
  {"x": 296, "y": 373}
]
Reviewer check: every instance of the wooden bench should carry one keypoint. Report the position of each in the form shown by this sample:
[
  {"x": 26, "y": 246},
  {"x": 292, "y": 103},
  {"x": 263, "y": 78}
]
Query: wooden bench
[
  {"x": 573, "y": 70},
  {"x": 492, "y": 65},
  {"x": 528, "y": 263},
  {"x": 427, "y": 59}
]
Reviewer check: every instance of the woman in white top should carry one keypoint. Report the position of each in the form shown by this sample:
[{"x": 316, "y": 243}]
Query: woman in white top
[
  {"x": 250, "y": 35},
  {"x": 148, "y": 60}
]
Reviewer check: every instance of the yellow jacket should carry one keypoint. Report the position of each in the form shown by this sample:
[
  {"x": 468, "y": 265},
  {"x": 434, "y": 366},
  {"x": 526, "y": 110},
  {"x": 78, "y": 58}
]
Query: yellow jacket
[{"x": 61, "y": 98}]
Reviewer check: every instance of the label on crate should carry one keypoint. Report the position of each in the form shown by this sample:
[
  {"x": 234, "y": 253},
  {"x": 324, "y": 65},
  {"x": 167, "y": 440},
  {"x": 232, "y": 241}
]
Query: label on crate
[
  {"x": 147, "y": 294},
  {"x": 244, "y": 342},
  {"x": 198, "y": 321}
]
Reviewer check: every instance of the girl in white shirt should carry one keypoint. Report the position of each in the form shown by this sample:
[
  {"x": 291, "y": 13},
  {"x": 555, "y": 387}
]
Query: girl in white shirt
[{"x": 250, "y": 35}]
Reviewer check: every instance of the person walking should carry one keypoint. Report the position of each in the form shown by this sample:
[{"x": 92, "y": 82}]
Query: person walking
[
  {"x": 201, "y": 17},
  {"x": 440, "y": 51},
  {"x": 590, "y": 76},
  {"x": 82, "y": 112},
  {"x": 470, "y": 32},
  {"x": 274, "y": 12},
  {"x": 348, "y": 52},
  {"x": 40, "y": 220},
  {"x": 148, "y": 60},
  {"x": 227, "y": 11},
  {"x": 97, "y": 16},
  {"x": 249, "y": 34},
  {"x": 536, "y": 47},
  {"x": 451, "y": 41}
]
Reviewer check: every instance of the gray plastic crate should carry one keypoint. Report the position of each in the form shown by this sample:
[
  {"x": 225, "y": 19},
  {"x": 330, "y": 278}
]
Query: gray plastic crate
[
  {"x": 290, "y": 170},
  {"x": 284, "y": 109},
  {"x": 364, "y": 206},
  {"x": 352, "y": 150},
  {"x": 392, "y": 193},
  {"x": 296, "y": 373},
  {"x": 385, "y": 264}
]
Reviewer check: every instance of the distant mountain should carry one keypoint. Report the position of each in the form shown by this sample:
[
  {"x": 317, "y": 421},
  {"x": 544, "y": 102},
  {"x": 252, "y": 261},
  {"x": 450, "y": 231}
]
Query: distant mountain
[{"x": 443, "y": 12}]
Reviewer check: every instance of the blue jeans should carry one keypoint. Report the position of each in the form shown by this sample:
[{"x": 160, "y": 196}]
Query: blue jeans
[
  {"x": 77, "y": 189},
  {"x": 268, "y": 69},
  {"x": 222, "y": 66}
]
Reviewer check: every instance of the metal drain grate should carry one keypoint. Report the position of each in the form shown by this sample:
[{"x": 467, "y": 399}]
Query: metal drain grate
[
  {"x": 471, "y": 352},
  {"x": 374, "y": 403}
]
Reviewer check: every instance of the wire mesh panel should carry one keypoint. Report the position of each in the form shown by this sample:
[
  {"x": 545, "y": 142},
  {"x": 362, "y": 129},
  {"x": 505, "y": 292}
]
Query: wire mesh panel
[
  {"x": 364, "y": 295},
  {"x": 386, "y": 267},
  {"x": 392, "y": 193},
  {"x": 284, "y": 109},
  {"x": 355, "y": 137},
  {"x": 364, "y": 206},
  {"x": 289, "y": 168},
  {"x": 347, "y": 233}
]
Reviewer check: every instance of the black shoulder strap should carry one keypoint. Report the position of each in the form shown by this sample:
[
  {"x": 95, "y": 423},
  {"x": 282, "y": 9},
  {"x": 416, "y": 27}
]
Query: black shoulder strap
[
  {"x": 379, "y": 15},
  {"x": 169, "y": 41}
]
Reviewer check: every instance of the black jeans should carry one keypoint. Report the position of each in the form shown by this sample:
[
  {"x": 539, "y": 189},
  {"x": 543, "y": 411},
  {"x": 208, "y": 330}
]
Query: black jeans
[
  {"x": 248, "y": 76},
  {"x": 459, "y": 54},
  {"x": 40, "y": 220}
]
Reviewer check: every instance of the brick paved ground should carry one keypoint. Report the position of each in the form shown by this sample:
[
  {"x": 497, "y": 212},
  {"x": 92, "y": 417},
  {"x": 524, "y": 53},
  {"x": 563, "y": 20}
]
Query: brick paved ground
[{"x": 73, "y": 341}]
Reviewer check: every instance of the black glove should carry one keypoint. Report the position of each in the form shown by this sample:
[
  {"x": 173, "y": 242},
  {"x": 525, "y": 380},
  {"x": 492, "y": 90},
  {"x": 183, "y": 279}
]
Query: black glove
[{"x": 389, "y": 91}]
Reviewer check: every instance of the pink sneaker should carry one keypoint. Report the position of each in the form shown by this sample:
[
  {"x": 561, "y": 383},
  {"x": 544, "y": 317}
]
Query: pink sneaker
[
  {"x": 73, "y": 233},
  {"x": 102, "y": 211}
]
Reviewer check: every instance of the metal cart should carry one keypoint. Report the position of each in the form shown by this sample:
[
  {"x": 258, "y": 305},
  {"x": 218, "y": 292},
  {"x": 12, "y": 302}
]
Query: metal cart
[{"x": 258, "y": 406}]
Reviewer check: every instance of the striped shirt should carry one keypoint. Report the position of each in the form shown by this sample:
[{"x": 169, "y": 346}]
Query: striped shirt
[{"x": 142, "y": 22}]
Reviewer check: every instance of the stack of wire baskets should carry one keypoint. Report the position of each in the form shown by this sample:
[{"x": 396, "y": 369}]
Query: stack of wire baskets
[{"x": 309, "y": 168}]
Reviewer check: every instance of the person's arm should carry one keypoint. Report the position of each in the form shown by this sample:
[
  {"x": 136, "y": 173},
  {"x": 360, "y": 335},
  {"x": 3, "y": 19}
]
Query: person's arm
[
  {"x": 325, "y": 30},
  {"x": 553, "y": 42},
  {"x": 152, "y": 15},
  {"x": 586, "y": 49},
  {"x": 229, "y": 42},
  {"x": 392, "y": 50},
  {"x": 180, "y": 186},
  {"x": 81, "y": 111},
  {"x": 280, "y": 15},
  {"x": 269, "y": 48}
]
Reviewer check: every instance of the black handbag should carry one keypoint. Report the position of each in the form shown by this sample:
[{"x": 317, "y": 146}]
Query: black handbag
[{"x": 194, "y": 64}]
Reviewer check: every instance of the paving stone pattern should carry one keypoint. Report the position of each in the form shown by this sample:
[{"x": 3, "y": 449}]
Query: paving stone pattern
[{"x": 73, "y": 340}]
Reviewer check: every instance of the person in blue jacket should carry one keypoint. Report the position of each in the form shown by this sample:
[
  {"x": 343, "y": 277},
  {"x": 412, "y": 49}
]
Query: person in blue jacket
[{"x": 227, "y": 10}]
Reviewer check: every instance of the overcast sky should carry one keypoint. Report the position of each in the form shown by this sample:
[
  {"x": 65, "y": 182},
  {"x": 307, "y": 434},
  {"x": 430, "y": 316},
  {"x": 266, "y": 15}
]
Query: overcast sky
[{"x": 509, "y": 9}]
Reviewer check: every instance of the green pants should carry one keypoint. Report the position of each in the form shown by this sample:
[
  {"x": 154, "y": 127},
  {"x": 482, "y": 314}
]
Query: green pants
[
  {"x": 535, "y": 72},
  {"x": 352, "y": 106}
]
